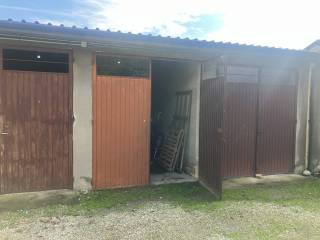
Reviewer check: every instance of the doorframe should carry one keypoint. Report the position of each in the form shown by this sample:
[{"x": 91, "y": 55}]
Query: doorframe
[
  {"x": 179, "y": 60},
  {"x": 257, "y": 124},
  {"x": 297, "y": 79}
]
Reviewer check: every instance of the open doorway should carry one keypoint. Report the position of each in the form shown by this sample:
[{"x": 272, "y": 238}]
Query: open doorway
[{"x": 175, "y": 121}]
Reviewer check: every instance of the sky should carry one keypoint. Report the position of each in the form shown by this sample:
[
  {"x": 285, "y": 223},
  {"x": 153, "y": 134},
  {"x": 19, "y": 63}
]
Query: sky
[{"x": 276, "y": 23}]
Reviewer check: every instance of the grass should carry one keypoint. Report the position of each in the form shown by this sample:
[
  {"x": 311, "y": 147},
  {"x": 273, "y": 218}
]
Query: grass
[
  {"x": 192, "y": 196},
  {"x": 187, "y": 195},
  {"x": 304, "y": 194},
  {"x": 235, "y": 204}
]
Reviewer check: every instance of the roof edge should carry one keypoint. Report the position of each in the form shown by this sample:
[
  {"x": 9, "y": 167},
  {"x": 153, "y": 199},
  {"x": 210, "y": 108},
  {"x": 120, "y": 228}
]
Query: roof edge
[
  {"x": 312, "y": 45},
  {"x": 85, "y": 34}
]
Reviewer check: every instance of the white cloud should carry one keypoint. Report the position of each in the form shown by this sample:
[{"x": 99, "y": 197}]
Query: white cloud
[
  {"x": 292, "y": 24},
  {"x": 166, "y": 16}
]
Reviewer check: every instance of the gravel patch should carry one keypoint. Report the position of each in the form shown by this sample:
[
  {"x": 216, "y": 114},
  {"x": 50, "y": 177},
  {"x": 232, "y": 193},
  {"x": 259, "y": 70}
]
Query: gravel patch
[
  {"x": 153, "y": 221},
  {"x": 157, "y": 220}
]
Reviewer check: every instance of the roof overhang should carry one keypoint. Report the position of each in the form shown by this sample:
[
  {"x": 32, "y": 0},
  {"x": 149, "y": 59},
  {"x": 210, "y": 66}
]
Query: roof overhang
[{"x": 138, "y": 44}]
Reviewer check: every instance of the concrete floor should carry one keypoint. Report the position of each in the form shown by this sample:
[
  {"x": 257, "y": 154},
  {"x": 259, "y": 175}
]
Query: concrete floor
[
  {"x": 261, "y": 180},
  {"x": 29, "y": 200},
  {"x": 173, "y": 177}
]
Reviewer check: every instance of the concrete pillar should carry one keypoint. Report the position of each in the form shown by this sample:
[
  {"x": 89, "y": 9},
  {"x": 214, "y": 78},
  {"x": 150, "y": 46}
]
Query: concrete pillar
[
  {"x": 192, "y": 144},
  {"x": 302, "y": 106},
  {"x": 82, "y": 129}
]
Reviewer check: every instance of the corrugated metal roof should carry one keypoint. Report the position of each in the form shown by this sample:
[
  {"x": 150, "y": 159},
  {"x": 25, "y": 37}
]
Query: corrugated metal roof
[
  {"x": 86, "y": 32},
  {"x": 313, "y": 45}
]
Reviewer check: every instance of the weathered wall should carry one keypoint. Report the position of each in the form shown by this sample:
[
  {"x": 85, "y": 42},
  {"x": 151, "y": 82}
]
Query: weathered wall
[
  {"x": 168, "y": 78},
  {"x": 302, "y": 118},
  {"x": 82, "y": 129}
]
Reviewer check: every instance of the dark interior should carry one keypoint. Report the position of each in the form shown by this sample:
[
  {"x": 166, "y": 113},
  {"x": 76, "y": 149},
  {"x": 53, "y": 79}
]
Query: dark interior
[
  {"x": 25, "y": 60},
  {"x": 122, "y": 66},
  {"x": 166, "y": 83}
]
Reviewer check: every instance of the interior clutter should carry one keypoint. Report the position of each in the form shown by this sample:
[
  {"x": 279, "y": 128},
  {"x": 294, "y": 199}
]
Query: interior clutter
[{"x": 168, "y": 146}]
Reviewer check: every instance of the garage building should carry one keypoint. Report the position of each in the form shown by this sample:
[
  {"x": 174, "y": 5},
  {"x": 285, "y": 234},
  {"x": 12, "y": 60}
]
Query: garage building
[{"x": 79, "y": 107}]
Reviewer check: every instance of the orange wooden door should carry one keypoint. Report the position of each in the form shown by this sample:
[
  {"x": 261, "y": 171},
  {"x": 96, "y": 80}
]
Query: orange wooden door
[{"x": 121, "y": 113}]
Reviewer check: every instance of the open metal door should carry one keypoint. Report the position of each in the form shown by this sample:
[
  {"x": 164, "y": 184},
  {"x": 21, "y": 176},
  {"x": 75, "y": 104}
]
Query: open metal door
[{"x": 210, "y": 138}]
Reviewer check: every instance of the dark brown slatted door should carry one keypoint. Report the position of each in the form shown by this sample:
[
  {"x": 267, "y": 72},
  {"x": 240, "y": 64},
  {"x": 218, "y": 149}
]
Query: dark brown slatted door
[
  {"x": 240, "y": 121},
  {"x": 210, "y": 135},
  {"x": 36, "y": 131},
  {"x": 276, "y": 122}
]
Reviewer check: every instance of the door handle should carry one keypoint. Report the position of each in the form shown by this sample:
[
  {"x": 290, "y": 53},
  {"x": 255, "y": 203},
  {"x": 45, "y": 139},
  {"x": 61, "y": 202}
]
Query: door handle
[{"x": 4, "y": 133}]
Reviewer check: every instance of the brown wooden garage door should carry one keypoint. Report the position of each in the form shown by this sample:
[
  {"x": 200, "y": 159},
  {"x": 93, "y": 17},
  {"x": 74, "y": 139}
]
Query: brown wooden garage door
[
  {"x": 258, "y": 122},
  {"x": 35, "y": 125},
  {"x": 276, "y": 122},
  {"x": 240, "y": 121},
  {"x": 121, "y": 113}
]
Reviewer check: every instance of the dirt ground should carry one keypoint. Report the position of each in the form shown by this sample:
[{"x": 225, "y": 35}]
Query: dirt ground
[{"x": 163, "y": 221}]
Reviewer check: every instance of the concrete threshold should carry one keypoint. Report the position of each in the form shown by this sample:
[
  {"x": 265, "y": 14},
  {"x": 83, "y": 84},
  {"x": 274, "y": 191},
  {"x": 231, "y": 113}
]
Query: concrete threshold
[
  {"x": 262, "y": 180},
  {"x": 173, "y": 177},
  {"x": 29, "y": 200}
]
